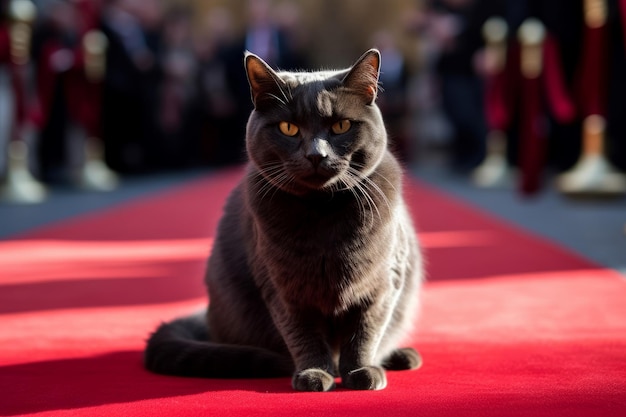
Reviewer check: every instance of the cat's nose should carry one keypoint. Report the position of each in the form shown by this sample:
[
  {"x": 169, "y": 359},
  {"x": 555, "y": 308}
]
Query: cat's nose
[
  {"x": 316, "y": 158},
  {"x": 317, "y": 152}
]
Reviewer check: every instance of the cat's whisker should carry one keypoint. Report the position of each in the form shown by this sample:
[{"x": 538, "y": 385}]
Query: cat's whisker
[
  {"x": 344, "y": 185},
  {"x": 283, "y": 92},
  {"x": 379, "y": 175},
  {"x": 265, "y": 189},
  {"x": 371, "y": 187},
  {"x": 370, "y": 202},
  {"x": 386, "y": 180},
  {"x": 366, "y": 205},
  {"x": 370, "y": 184},
  {"x": 283, "y": 181},
  {"x": 280, "y": 100},
  {"x": 364, "y": 200},
  {"x": 264, "y": 177},
  {"x": 274, "y": 179}
]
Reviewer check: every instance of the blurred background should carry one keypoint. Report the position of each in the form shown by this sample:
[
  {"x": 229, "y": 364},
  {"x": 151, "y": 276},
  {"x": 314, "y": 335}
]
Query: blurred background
[
  {"x": 172, "y": 92},
  {"x": 523, "y": 98}
]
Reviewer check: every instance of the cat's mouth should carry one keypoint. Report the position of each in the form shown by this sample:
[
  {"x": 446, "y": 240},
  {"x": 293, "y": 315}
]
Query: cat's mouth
[{"x": 318, "y": 180}]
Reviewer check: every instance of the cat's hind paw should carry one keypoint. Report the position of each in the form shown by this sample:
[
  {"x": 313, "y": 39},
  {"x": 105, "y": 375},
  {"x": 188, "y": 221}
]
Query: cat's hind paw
[
  {"x": 403, "y": 359},
  {"x": 313, "y": 379},
  {"x": 365, "y": 378}
]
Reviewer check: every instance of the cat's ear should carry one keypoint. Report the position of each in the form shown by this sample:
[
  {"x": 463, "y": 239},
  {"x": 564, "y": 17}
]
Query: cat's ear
[
  {"x": 362, "y": 79},
  {"x": 265, "y": 84}
]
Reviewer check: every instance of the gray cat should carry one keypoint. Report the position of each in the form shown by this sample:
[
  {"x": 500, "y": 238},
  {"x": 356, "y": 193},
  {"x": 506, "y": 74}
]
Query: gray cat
[{"x": 316, "y": 270}]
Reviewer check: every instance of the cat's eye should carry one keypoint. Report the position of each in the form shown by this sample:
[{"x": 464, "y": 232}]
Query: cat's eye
[
  {"x": 288, "y": 129},
  {"x": 341, "y": 126}
]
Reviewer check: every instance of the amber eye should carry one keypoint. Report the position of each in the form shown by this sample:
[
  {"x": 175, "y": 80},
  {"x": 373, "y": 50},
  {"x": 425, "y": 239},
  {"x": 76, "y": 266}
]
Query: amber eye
[
  {"x": 341, "y": 126},
  {"x": 288, "y": 129}
]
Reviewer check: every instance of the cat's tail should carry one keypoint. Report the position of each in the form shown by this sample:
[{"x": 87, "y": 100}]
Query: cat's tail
[{"x": 183, "y": 347}]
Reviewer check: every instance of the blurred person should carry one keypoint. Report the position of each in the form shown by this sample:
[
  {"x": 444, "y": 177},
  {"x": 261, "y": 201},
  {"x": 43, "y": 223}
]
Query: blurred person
[
  {"x": 393, "y": 96},
  {"x": 288, "y": 18},
  {"x": 216, "y": 106},
  {"x": 17, "y": 130},
  {"x": 458, "y": 28},
  {"x": 454, "y": 27},
  {"x": 274, "y": 34},
  {"x": 70, "y": 103},
  {"x": 5, "y": 45},
  {"x": 264, "y": 37},
  {"x": 176, "y": 138},
  {"x": 133, "y": 31},
  {"x": 54, "y": 42},
  {"x": 6, "y": 102},
  {"x": 428, "y": 124}
]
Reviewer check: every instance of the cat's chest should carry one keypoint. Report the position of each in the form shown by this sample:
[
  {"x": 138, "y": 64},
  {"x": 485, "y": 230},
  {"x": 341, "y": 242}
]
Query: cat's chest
[
  {"x": 311, "y": 231},
  {"x": 323, "y": 260}
]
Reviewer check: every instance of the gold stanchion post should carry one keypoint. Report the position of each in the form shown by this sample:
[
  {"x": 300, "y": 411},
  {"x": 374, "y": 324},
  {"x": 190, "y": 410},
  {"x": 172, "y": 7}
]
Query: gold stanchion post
[
  {"x": 20, "y": 185},
  {"x": 494, "y": 171},
  {"x": 95, "y": 174},
  {"x": 593, "y": 175}
]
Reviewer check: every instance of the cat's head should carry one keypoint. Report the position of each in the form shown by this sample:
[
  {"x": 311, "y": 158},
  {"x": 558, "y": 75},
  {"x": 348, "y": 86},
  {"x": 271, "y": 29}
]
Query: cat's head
[{"x": 315, "y": 131}]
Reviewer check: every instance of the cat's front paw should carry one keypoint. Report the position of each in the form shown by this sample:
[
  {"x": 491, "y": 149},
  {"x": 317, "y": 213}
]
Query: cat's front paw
[
  {"x": 403, "y": 359},
  {"x": 366, "y": 378},
  {"x": 313, "y": 379}
]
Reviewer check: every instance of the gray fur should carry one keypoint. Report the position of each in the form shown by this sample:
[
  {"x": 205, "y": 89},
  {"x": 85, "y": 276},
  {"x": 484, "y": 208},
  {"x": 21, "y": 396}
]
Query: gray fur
[{"x": 316, "y": 270}]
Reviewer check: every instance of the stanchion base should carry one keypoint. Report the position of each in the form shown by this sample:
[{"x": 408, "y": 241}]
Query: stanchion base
[
  {"x": 96, "y": 176},
  {"x": 494, "y": 172},
  {"x": 592, "y": 177},
  {"x": 22, "y": 188}
]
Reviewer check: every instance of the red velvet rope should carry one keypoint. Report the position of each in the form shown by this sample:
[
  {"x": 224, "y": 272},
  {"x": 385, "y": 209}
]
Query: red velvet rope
[
  {"x": 539, "y": 96},
  {"x": 46, "y": 78},
  {"x": 18, "y": 80},
  {"x": 502, "y": 91},
  {"x": 496, "y": 108},
  {"x": 83, "y": 97},
  {"x": 592, "y": 75},
  {"x": 532, "y": 135},
  {"x": 4, "y": 45},
  {"x": 559, "y": 101},
  {"x": 85, "y": 106},
  {"x": 622, "y": 6},
  {"x": 89, "y": 12},
  {"x": 85, "y": 103}
]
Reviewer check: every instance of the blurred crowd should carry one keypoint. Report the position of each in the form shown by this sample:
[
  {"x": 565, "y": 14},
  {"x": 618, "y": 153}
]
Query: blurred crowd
[
  {"x": 173, "y": 92},
  {"x": 170, "y": 96}
]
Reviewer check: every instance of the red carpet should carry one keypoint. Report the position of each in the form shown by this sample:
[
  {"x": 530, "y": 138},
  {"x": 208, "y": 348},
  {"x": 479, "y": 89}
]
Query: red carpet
[{"x": 511, "y": 325}]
